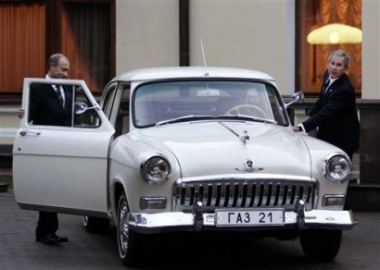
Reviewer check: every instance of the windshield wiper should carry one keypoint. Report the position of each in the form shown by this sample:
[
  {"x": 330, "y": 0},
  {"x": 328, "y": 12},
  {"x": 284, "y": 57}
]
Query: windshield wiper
[
  {"x": 247, "y": 117},
  {"x": 184, "y": 118},
  {"x": 204, "y": 117}
]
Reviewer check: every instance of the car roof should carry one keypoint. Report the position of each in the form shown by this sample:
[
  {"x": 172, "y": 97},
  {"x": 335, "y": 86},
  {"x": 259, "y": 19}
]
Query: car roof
[{"x": 191, "y": 72}]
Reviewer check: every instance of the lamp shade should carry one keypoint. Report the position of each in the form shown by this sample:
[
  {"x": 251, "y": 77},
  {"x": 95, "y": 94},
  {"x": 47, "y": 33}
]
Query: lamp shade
[{"x": 335, "y": 33}]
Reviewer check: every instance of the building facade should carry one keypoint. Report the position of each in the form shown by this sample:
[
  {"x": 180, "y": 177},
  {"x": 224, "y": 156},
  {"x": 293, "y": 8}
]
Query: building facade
[{"x": 105, "y": 37}]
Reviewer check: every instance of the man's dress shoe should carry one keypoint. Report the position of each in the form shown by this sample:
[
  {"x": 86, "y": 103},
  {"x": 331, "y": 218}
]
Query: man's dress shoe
[
  {"x": 60, "y": 239},
  {"x": 48, "y": 240},
  {"x": 52, "y": 239}
]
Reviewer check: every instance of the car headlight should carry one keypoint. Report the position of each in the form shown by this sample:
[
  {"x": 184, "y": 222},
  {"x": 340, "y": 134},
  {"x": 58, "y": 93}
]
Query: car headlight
[
  {"x": 338, "y": 168},
  {"x": 155, "y": 170}
]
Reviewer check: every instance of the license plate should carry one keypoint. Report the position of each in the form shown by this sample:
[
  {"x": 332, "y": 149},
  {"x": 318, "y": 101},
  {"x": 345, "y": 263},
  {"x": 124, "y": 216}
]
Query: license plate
[{"x": 249, "y": 218}]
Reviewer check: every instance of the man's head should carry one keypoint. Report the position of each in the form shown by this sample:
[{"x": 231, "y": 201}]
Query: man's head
[
  {"x": 338, "y": 63},
  {"x": 58, "y": 66}
]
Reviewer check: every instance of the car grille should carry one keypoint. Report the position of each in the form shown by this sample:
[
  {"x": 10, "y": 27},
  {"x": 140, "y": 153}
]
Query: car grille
[{"x": 243, "y": 194}]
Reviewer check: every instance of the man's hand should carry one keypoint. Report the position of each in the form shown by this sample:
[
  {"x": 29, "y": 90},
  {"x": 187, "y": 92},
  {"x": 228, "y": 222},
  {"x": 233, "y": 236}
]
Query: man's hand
[
  {"x": 20, "y": 113},
  {"x": 297, "y": 128}
]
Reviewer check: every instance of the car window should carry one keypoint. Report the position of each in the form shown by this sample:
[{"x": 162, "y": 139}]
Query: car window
[
  {"x": 279, "y": 113},
  {"x": 122, "y": 121},
  {"x": 46, "y": 109},
  {"x": 109, "y": 100},
  {"x": 161, "y": 101}
]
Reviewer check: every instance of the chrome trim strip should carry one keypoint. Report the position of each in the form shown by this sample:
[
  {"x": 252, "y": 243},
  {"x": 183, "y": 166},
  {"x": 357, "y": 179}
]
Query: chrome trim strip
[
  {"x": 228, "y": 177},
  {"x": 179, "y": 221}
]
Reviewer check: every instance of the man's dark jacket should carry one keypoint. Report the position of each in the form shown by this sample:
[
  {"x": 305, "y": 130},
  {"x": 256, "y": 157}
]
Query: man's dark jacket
[
  {"x": 335, "y": 115},
  {"x": 46, "y": 108}
]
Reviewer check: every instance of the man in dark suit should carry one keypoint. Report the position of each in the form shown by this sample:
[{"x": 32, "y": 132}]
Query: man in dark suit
[
  {"x": 46, "y": 106},
  {"x": 334, "y": 113},
  {"x": 51, "y": 105}
]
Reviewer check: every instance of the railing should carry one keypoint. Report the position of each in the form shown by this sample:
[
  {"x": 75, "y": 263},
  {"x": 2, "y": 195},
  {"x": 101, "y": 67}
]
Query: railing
[{"x": 368, "y": 154}]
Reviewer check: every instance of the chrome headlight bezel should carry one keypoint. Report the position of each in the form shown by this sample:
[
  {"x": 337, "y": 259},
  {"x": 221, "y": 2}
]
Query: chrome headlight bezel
[
  {"x": 338, "y": 168},
  {"x": 155, "y": 170}
]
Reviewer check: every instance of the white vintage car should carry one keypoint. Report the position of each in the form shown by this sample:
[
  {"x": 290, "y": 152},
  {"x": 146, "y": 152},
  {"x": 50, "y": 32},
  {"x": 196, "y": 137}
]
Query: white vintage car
[{"x": 184, "y": 149}]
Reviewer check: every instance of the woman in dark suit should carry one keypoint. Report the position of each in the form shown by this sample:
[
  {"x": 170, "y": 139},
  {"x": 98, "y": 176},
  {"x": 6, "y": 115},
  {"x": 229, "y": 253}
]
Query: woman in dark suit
[{"x": 334, "y": 113}]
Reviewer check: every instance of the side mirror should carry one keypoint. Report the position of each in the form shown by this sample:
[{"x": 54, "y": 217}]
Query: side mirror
[
  {"x": 297, "y": 96},
  {"x": 81, "y": 107}
]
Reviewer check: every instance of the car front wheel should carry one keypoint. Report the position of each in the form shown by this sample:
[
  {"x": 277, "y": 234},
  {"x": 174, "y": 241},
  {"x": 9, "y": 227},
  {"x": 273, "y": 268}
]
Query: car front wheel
[
  {"x": 321, "y": 245},
  {"x": 129, "y": 242}
]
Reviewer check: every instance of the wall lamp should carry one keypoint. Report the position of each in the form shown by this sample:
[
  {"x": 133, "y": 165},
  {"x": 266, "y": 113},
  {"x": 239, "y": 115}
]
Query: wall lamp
[{"x": 335, "y": 33}]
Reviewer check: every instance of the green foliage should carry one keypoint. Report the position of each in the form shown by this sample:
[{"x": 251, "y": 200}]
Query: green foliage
[{"x": 6, "y": 179}]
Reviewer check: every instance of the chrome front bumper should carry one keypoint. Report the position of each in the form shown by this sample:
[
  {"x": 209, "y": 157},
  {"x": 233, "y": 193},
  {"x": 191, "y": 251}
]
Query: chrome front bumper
[{"x": 197, "y": 221}]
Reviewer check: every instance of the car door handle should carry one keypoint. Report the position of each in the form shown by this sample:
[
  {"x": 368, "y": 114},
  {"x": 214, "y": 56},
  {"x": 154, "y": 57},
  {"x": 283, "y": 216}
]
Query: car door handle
[{"x": 30, "y": 132}]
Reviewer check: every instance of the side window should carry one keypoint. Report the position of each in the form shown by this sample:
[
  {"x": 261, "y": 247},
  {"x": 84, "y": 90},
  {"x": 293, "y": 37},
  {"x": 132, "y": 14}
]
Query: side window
[
  {"x": 278, "y": 112},
  {"x": 85, "y": 114},
  {"x": 115, "y": 104},
  {"x": 109, "y": 101},
  {"x": 60, "y": 105},
  {"x": 122, "y": 120}
]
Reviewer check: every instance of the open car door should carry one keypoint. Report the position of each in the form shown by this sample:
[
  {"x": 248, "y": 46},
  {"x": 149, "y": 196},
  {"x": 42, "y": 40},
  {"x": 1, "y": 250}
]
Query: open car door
[{"x": 62, "y": 167}]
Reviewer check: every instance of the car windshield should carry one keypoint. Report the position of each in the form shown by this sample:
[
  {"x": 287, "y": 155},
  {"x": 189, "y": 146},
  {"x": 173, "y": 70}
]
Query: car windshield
[{"x": 178, "y": 101}]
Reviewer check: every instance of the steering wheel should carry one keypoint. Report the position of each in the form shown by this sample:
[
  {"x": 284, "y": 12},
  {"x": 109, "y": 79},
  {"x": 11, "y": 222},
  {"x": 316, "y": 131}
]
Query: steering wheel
[{"x": 247, "y": 109}]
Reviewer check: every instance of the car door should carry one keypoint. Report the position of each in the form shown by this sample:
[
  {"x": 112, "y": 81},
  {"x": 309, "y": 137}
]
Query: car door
[{"x": 62, "y": 167}]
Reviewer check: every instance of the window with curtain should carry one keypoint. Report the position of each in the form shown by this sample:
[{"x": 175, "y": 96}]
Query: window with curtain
[
  {"x": 22, "y": 39},
  {"x": 86, "y": 40},
  {"x": 312, "y": 58},
  {"x": 31, "y": 30}
]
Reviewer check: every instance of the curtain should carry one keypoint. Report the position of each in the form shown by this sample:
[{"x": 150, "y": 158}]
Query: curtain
[
  {"x": 79, "y": 29},
  {"x": 311, "y": 59},
  {"x": 22, "y": 39},
  {"x": 346, "y": 12},
  {"x": 86, "y": 40}
]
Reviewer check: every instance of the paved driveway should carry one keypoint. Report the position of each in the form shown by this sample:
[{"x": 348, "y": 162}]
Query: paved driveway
[{"x": 360, "y": 248}]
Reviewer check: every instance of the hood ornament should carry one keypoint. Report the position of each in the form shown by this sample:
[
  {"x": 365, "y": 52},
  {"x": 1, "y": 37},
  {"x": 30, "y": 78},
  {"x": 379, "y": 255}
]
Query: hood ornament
[
  {"x": 242, "y": 137},
  {"x": 245, "y": 137},
  {"x": 249, "y": 166}
]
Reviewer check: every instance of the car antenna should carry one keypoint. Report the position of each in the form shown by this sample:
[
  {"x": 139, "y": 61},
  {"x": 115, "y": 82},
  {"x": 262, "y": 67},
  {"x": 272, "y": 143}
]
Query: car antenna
[{"x": 204, "y": 58}]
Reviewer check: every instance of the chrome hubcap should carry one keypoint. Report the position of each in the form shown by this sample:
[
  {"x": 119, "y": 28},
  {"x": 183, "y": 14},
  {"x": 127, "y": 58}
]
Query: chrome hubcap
[{"x": 123, "y": 228}]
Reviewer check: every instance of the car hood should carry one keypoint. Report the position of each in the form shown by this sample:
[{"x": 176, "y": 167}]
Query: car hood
[{"x": 217, "y": 147}]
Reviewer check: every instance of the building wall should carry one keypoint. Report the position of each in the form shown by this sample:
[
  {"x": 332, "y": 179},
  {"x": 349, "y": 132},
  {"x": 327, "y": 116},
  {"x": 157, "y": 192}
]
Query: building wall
[
  {"x": 8, "y": 124},
  {"x": 370, "y": 49},
  {"x": 247, "y": 34},
  {"x": 147, "y": 34}
]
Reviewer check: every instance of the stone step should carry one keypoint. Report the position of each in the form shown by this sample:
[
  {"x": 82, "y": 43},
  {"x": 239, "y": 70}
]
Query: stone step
[
  {"x": 6, "y": 150},
  {"x": 3, "y": 187},
  {"x": 363, "y": 198},
  {"x": 5, "y": 156}
]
